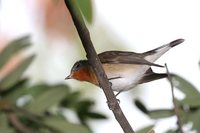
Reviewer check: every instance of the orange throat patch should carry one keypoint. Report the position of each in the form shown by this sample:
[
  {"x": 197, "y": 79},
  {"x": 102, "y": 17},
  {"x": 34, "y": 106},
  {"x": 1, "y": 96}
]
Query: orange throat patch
[{"x": 85, "y": 74}]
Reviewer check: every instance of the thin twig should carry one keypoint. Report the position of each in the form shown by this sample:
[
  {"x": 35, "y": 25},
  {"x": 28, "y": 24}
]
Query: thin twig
[
  {"x": 96, "y": 65},
  {"x": 17, "y": 124},
  {"x": 180, "y": 129},
  {"x": 12, "y": 117}
]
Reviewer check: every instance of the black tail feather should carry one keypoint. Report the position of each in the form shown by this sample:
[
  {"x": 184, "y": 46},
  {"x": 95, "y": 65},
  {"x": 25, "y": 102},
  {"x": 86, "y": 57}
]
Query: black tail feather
[
  {"x": 176, "y": 42},
  {"x": 152, "y": 77}
]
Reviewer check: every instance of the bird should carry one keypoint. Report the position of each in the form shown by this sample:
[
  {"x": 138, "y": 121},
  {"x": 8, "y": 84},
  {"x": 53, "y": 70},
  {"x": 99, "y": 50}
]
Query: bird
[{"x": 124, "y": 69}]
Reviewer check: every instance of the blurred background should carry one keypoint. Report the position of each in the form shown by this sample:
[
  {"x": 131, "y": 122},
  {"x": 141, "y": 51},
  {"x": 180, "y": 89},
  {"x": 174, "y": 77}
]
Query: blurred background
[{"x": 128, "y": 25}]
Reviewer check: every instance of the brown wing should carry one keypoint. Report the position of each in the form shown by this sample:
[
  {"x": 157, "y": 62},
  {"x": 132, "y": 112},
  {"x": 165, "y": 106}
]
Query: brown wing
[{"x": 123, "y": 57}]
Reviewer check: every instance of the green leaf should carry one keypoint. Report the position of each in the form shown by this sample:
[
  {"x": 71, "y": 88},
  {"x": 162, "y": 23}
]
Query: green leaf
[
  {"x": 84, "y": 105},
  {"x": 141, "y": 106},
  {"x": 12, "y": 48},
  {"x": 4, "y": 126},
  {"x": 37, "y": 89},
  {"x": 86, "y": 9},
  {"x": 15, "y": 75},
  {"x": 22, "y": 82},
  {"x": 184, "y": 115},
  {"x": 16, "y": 92},
  {"x": 65, "y": 127},
  {"x": 96, "y": 115},
  {"x": 71, "y": 99},
  {"x": 183, "y": 85},
  {"x": 195, "y": 119},
  {"x": 191, "y": 101},
  {"x": 145, "y": 129},
  {"x": 160, "y": 113},
  {"x": 47, "y": 99},
  {"x": 171, "y": 131}
]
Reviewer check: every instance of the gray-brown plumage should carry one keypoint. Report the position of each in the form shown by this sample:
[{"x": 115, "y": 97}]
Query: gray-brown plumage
[{"x": 124, "y": 69}]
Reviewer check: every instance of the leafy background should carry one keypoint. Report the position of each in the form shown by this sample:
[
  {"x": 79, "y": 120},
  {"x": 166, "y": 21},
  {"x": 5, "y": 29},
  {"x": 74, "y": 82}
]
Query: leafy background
[
  {"x": 39, "y": 107},
  {"x": 29, "y": 104}
]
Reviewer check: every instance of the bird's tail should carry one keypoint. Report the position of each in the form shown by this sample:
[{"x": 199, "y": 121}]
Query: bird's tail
[
  {"x": 156, "y": 53},
  {"x": 151, "y": 77}
]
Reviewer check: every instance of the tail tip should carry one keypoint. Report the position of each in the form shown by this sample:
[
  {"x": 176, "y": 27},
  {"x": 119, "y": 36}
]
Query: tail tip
[{"x": 176, "y": 42}]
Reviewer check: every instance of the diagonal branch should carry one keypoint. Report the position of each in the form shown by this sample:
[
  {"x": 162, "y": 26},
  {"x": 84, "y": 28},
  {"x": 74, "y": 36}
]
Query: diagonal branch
[
  {"x": 174, "y": 102},
  {"x": 96, "y": 65}
]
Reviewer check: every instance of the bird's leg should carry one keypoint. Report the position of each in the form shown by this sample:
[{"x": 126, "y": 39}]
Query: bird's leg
[
  {"x": 110, "y": 83},
  {"x": 118, "y": 93},
  {"x": 110, "y": 105}
]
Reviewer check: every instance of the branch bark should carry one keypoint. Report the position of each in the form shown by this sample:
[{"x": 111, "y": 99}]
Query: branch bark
[
  {"x": 96, "y": 64},
  {"x": 180, "y": 129}
]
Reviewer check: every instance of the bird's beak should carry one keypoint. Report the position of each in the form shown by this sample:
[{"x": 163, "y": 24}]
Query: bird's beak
[{"x": 68, "y": 77}]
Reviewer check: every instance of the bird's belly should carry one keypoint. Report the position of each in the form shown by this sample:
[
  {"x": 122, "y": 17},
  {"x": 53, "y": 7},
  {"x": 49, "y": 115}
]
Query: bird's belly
[
  {"x": 122, "y": 84},
  {"x": 124, "y": 77}
]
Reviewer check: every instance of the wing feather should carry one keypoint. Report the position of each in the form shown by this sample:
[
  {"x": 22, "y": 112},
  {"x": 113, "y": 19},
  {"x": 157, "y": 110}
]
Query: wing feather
[{"x": 124, "y": 57}]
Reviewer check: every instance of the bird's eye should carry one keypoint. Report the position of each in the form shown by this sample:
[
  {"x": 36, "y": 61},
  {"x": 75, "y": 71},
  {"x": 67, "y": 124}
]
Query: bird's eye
[{"x": 78, "y": 65}]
